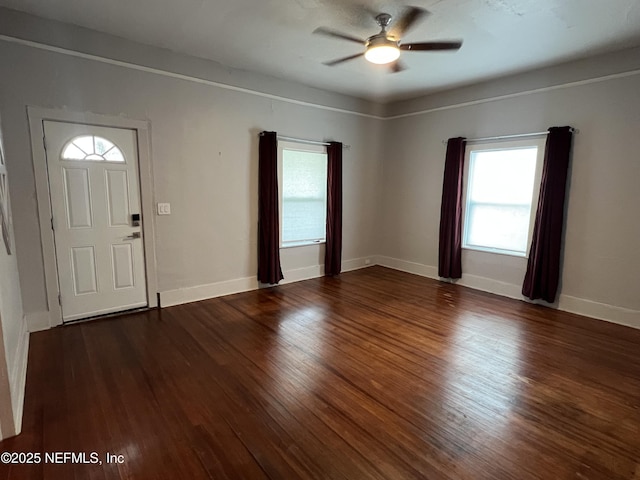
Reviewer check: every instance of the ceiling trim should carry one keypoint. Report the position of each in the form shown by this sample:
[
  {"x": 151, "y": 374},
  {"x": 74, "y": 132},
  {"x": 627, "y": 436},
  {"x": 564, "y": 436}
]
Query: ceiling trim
[
  {"x": 179, "y": 76},
  {"x": 203, "y": 81},
  {"x": 578, "y": 83}
]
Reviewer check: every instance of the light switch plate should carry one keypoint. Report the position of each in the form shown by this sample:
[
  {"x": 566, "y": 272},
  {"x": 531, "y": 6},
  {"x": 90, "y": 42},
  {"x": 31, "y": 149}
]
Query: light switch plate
[{"x": 164, "y": 209}]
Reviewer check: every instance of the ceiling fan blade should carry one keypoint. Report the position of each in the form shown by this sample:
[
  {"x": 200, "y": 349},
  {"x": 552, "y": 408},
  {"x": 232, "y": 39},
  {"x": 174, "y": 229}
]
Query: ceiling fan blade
[
  {"x": 344, "y": 59},
  {"x": 426, "y": 46},
  {"x": 408, "y": 19},
  {"x": 332, "y": 33},
  {"x": 397, "y": 66}
]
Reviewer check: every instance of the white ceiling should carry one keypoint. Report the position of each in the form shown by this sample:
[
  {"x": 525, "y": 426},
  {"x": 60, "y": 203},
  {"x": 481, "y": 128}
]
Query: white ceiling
[{"x": 275, "y": 37}]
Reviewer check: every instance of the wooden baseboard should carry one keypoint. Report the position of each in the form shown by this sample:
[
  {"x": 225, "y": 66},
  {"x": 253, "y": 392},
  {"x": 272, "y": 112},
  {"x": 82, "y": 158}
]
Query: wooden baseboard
[
  {"x": 229, "y": 287},
  {"x": 567, "y": 303}
]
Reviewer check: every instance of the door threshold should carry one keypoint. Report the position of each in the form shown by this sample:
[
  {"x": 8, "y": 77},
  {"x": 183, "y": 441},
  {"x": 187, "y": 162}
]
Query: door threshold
[{"x": 104, "y": 316}]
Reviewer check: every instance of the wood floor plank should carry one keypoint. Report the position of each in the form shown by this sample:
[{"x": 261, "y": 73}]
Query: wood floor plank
[{"x": 375, "y": 374}]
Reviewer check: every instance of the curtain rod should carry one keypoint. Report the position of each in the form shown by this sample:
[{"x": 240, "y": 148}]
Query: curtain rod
[
  {"x": 308, "y": 142},
  {"x": 302, "y": 140},
  {"x": 506, "y": 137}
]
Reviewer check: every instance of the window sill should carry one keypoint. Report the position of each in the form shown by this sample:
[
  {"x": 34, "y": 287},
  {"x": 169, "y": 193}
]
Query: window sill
[
  {"x": 302, "y": 244},
  {"x": 496, "y": 251}
]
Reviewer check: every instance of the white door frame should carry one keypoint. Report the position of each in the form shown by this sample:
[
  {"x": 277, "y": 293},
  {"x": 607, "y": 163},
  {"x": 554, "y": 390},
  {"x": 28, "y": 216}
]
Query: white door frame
[{"x": 36, "y": 117}]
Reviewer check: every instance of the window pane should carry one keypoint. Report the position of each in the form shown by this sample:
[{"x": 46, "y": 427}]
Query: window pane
[
  {"x": 114, "y": 155},
  {"x": 71, "y": 152},
  {"x": 503, "y": 176},
  {"x": 504, "y": 227},
  {"x": 304, "y": 196},
  {"x": 102, "y": 145},
  {"x": 85, "y": 144},
  {"x": 303, "y": 220},
  {"x": 499, "y": 193}
]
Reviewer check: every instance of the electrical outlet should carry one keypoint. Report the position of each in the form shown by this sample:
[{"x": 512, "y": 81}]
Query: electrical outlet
[
  {"x": 367, "y": 261},
  {"x": 164, "y": 209}
]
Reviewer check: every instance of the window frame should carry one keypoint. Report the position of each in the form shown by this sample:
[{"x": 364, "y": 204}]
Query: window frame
[
  {"x": 494, "y": 145},
  {"x": 301, "y": 147}
]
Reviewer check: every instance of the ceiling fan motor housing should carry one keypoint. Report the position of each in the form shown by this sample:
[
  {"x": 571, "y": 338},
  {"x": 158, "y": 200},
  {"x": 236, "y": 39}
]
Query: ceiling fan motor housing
[{"x": 381, "y": 40}]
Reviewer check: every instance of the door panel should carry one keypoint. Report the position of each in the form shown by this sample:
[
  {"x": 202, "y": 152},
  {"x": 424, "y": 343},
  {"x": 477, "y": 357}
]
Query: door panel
[
  {"x": 83, "y": 260},
  {"x": 93, "y": 180},
  {"x": 118, "y": 198},
  {"x": 122, "y": 261},
  {"x": 78, "y": 197}
]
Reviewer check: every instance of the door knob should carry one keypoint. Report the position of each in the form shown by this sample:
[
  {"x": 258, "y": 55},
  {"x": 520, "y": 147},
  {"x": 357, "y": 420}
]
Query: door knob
[{"x": 133, "y": 236}]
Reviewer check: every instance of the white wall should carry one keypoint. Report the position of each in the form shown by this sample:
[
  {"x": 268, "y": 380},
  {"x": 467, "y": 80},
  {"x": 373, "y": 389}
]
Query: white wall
[
  {"x": 204, "y": 143},
  {"x": 601, "y": 273},
  {"x": 15, "y": 339}
]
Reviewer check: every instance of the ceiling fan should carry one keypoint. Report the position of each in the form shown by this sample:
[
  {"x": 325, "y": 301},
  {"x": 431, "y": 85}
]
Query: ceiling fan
[{"x": 385, "y": 47}]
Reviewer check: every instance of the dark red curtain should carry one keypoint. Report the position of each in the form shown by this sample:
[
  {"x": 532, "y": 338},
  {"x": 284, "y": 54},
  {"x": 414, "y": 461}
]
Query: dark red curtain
[
  {"x": 333, "y": 251},
  {"x": 543, "y": 267},
  {"x": 269, "y": 269},
  {"x": 450, "y": 255}
]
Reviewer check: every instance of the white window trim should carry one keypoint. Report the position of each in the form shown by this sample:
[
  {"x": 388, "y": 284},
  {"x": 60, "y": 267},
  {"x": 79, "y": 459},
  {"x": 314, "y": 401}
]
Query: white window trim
[
  {"x": 540, "y": 143},
  {"x": 301, "y": 147}
]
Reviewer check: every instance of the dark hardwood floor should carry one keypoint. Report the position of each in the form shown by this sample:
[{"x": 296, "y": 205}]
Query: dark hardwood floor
[{"x": 376, "y": 374}]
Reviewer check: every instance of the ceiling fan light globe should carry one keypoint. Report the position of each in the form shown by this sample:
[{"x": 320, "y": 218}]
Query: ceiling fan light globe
[{"x": 382, "y": 54}]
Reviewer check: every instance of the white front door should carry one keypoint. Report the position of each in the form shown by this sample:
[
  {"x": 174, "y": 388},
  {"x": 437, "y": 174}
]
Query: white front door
[{"x": 95, "y": 202}]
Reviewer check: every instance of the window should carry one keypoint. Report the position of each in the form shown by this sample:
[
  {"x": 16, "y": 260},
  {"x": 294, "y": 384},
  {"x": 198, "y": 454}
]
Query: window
[
  {"x": 92, "y": 148},
  {"x": 502, "y": 187},
  {"x": 303, "y": 194}
]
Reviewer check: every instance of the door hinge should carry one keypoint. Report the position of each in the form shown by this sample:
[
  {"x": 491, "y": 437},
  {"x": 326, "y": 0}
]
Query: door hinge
[
  {"x": 59, "y": 299},
  {"x": 52, "y": 227},
  {"x": 44, "y": 142}
]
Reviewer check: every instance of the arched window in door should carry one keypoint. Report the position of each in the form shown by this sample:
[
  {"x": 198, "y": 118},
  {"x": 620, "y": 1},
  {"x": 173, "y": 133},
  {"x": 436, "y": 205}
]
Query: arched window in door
[{"x": 92, "y": 148}]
